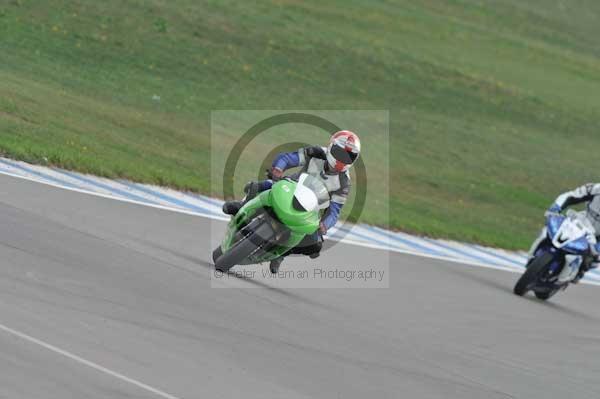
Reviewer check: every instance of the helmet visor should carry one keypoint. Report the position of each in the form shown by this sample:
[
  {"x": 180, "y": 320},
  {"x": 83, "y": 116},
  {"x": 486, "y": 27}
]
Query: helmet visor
[{"x": 345, "y": 157}]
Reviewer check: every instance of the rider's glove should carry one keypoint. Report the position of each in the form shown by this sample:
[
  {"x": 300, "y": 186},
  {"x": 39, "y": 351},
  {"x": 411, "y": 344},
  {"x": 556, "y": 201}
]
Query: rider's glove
[
  {"x": 554, "y": 210},
  {"x": 322, "y": 229},
  {"x": 276, "y": 174}
]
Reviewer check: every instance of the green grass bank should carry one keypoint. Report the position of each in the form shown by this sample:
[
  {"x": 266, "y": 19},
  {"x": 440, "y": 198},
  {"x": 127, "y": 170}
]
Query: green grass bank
[{"x": 494, "y": 106}]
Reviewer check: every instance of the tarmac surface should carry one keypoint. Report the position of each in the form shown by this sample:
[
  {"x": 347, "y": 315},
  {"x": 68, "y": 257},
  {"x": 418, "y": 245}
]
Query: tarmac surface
[{"x": 106, "y": 299}]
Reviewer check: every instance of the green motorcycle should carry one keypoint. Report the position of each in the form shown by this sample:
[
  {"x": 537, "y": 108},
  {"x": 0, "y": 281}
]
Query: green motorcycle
[{"x": 273, "y": 222}]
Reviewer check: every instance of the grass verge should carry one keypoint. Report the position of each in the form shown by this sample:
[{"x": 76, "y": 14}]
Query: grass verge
[{"x": 494, "y": 106}]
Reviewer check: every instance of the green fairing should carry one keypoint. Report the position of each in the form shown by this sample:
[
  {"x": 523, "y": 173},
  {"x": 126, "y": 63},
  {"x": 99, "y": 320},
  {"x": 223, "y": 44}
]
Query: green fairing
[
  {"x": 279, "y": 198},
  {"x": 282, "y": 194}
]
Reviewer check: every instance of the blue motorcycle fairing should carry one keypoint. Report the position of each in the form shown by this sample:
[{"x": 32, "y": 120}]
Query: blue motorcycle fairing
[
  {"x": 553, "y": 223},
  {"x": 556, "y": 265},
  {"x": 577, "y": 247},
  {"x": 548, "y": 282},
  {"x": 557, "y": 260}
]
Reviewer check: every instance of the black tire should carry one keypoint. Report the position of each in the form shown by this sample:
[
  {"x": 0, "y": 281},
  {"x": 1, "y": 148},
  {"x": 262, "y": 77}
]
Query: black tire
[
  {"x": 532, "y": 273},
  {"x": 217, "y": 254},
  {"x": 545, "y": 295},
  {"x": 246, "y": 245}
]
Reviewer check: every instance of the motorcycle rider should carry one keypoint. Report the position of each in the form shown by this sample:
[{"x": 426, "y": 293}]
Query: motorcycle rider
[
  {"x": 590, "y": 194},
  {"x": 329, "y": 164}
]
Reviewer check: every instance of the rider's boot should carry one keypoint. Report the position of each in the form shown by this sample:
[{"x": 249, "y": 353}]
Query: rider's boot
[
  {"x": 583, "y": 270},
  {"x": 233, "y": 207},
  {"x": 579, "y": 276},
  {"x": 275, "y": 263}
]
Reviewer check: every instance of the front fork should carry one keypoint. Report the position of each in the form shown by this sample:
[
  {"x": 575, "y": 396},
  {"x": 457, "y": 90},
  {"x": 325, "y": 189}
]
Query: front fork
[
  {"x": 536, "y": 244},
  {"x": 256, "y": 205}
]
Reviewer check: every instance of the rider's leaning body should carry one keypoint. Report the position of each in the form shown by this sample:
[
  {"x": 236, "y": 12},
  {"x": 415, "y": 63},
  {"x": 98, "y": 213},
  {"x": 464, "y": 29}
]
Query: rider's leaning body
[
  {"x": 329, "y": 164},
  {"x": 590, "y": 194}
]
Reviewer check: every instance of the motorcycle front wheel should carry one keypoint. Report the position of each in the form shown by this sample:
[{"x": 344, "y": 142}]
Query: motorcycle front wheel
[
  {"x": 545, "y": 295},
  {"x": 258, "y": 232},
  {"x": 532, "y": 273}
]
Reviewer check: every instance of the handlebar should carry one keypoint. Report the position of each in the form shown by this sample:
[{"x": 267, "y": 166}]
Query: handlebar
[{"x": 271, "y": 177}]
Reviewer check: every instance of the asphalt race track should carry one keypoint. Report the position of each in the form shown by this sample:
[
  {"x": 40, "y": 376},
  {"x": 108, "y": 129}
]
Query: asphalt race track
[{"x": 106, "y": 299}]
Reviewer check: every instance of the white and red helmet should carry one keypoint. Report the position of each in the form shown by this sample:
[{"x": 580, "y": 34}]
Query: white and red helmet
[{"x": 343, "y": 150}]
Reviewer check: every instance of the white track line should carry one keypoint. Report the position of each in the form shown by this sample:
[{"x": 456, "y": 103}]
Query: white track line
[
  {"x": 452, "y": 259},
  {"x": 85, "y": 362},
  {"x": 113, "y": 197}
]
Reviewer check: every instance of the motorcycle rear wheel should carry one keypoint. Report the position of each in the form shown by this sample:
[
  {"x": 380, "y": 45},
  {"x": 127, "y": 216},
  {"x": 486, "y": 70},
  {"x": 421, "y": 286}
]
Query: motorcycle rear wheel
[{"x": 532, "y": 273}]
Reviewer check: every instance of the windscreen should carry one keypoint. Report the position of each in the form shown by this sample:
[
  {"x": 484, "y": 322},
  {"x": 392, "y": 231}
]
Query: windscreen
[{"x": 317, "y": 187}]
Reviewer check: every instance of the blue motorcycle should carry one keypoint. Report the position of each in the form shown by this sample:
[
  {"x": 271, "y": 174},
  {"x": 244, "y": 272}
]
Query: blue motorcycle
[{"x": 563, "y": 250}]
